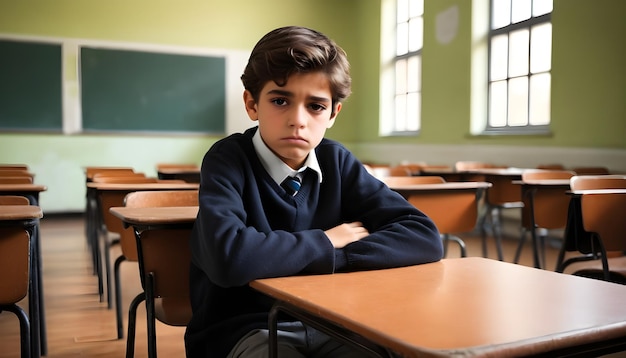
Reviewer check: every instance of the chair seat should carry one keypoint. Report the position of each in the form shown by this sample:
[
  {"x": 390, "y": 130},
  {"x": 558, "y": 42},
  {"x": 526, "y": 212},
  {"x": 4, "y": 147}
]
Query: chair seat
[
  {"x": 593, "y": 269},
  {"x": 174, "y": 311}
]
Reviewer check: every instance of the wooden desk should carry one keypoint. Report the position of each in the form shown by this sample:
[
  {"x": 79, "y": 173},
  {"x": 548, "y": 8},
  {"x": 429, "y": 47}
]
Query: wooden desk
[
  {"x": 460, "y": 307},
  {"x": 27, "y": 216},
  {"x": 115, "y": 194},
  {"x": 31, "y": 191},
  {"x": 145, "y": 218},
  {"x": 549, "y": 187}
]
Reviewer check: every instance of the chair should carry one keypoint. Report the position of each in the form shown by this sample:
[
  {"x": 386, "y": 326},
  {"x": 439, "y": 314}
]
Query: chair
[
  {"x": 577, "y": 238},
  {"x": 545, "y": 206},
  {"x": 164, "y": 258},
  {"x": 14, "y": 200},
  {"x": 17, "y": 173},
  {"x": 14, "y": 279},
  {"x": 16, "y": 180},
  {"x": 604, "y": 216},
  {"x": 452, "y": 211}
]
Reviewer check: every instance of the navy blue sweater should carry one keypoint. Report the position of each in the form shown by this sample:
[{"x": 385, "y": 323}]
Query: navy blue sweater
[{"x": 249, "y": 228}]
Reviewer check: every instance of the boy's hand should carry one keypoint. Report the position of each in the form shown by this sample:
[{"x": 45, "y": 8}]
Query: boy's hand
[{"x": 344, "y": 234}]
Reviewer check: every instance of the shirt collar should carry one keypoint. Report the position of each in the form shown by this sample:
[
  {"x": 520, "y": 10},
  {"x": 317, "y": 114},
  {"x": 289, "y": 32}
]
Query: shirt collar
[{"x": 276, "y": 168}]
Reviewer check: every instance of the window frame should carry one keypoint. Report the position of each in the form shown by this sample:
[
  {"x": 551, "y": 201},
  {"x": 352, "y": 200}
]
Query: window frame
[{"x": 507, "y": 30}]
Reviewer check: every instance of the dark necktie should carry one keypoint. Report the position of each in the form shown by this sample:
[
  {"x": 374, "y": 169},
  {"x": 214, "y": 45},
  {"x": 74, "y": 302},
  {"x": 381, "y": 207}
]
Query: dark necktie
[{"x": 291, "y": 185}]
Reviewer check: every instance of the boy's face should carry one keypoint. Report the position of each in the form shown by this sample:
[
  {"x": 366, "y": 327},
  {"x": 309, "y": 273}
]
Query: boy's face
[{"x": 293, "y": 119}]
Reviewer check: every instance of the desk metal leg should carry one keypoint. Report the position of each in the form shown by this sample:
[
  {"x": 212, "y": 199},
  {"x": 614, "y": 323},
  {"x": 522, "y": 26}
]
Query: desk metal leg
[{"x": 343, "y": 335}]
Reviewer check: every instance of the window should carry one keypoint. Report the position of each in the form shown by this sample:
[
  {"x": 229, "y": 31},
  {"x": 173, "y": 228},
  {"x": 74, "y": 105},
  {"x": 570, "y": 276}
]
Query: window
[
  {"x": 402, "y": 77},
  {"x": 520, "y": 50}
]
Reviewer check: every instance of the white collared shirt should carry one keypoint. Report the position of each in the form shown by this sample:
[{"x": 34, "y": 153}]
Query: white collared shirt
[{"x": 277, "y": 169}]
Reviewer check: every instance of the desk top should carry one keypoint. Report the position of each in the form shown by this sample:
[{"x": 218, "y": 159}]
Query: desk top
[
  {"x": 179, "y": 170},
  {"x": 598, "y": 191},
  {"x": 20, "y": 212},
  {"x": 543, "y": 182},
  {"x": 156, "y": 215},
  {"x": 142, "y": 186},
  {"x": 22, "y": 187},
  {"x": 464, "y": 306},
  {"x": 441, "y": 186}
]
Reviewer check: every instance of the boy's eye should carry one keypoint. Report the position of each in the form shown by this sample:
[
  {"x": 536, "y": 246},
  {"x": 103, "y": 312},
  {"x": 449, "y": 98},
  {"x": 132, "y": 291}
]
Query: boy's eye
[
  {"x": 279, "y": 101},
  {"x": 317, "y": 107}
]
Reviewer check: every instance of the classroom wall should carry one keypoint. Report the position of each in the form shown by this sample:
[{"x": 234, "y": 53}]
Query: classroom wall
[{"x": 588, "y": 77}]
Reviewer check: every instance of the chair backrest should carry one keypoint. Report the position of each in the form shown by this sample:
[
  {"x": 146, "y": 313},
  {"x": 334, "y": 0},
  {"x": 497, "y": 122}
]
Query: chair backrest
[
  {"x": 605, "y": 215},
  {"x": 609, "y": 181},
  {"x": 142, "y": 199},
  {"x": 160, "y": 166},
  {"x": 14, "y": 264},
  {"x": 13, "y": 200},
  {"x": 16, "y": 180},
  {"x": 546, "y": 174},
  {"x": 166, "y": 257},
  {"x": 90, "y": 172},
  {"x": 591, "y": 170},
  {"x": 452, "y": 211},
  {"x": 392, "y": 181},
  {"x": 550, "y": 203}
]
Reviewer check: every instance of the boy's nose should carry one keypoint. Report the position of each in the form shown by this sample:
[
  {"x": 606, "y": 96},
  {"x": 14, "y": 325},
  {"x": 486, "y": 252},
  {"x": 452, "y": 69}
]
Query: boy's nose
[{"x": 298, "y": 117}]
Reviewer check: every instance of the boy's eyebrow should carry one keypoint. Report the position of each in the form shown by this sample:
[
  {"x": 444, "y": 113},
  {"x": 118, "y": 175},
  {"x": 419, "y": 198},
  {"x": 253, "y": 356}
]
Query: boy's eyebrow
[{"x": 289, "y": 94}]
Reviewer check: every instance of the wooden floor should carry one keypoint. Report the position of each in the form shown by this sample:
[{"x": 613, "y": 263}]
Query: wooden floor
[{"x": 79, "y": 325}]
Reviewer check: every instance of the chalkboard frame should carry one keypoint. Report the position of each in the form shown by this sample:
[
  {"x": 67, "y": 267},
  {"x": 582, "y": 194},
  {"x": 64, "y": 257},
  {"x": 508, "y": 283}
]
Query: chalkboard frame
[{"x": 139, "y": 91}]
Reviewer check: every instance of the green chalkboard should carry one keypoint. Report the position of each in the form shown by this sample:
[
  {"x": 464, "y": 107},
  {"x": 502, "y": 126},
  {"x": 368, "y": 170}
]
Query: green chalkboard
[
  {"x": 30, "y": 86},
  {"x": 139, "y": 91}
]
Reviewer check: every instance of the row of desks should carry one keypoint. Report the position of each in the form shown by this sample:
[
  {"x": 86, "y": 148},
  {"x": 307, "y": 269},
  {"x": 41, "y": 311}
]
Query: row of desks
[{"x": 467, "y": 306}]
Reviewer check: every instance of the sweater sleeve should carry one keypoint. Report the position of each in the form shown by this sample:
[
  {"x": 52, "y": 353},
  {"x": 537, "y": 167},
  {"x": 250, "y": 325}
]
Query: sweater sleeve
[{"x": 400, "y": 234}]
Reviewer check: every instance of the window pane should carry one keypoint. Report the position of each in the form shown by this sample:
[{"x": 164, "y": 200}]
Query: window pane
[
  {"x": 518, "y": 101},
  {"x": 400, "y": 119},
  {"x": 499, "y": 57},
  {"x": 413, "y": 77},
  {"x": 540, "y": 99},
  {"x": 402, "y": 11},
  {"x": 402, "y": 38},
  {"x": 416, "y": 8},
  {"x": 500, "y": 13},
  {"x": 518, "y": 53},
  {"x": 497, "y": 104},
  {"x": 520, "y": 10},
  {"x": 401, "y": 77},
  {"x": 542, "y": 7},
  {"x": 416, "y": 33},
  {"x": 541, "y": 48},
  {"x": 412, "y": 111}
]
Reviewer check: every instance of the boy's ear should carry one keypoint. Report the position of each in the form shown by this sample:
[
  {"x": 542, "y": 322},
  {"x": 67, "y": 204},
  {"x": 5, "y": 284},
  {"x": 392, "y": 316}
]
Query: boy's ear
[
  {"x": 331, "y": 122},
  {"x": 250, "y": 105}
]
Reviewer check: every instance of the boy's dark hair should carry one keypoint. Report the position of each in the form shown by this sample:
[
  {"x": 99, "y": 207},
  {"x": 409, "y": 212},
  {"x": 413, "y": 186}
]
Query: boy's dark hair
[{"x": 293, "y": 49}]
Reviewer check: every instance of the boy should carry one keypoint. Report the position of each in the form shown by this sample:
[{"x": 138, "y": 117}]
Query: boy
[{"x": 335, "y": 217}]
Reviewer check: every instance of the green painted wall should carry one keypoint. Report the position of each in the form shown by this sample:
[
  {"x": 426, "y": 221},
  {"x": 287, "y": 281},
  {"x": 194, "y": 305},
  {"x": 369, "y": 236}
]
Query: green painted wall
[{"x": 588, "y": 106}]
